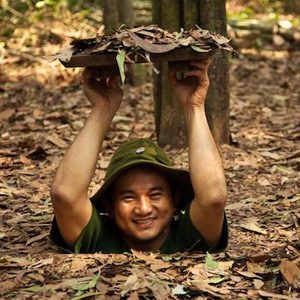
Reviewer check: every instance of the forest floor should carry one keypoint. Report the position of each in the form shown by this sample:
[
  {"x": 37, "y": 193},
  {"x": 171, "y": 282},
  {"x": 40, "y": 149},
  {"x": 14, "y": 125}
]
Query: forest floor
[{"x": 42, "y": 109}]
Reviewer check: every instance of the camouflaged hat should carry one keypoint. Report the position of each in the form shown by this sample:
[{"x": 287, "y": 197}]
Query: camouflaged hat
[{"x": 143, "y": 152}]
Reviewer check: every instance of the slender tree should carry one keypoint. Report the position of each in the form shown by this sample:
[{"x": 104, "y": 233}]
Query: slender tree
[
  {"x": 213, "y": 17},
  {"x": 117, "y": 12},
  {"x": 292, "y": 6},
  {"x": 210, "y": 14},
  {"x": 110, "y": 15},
  {"x": 126, "y": 12},
  {"x": 170, "y": 128}
]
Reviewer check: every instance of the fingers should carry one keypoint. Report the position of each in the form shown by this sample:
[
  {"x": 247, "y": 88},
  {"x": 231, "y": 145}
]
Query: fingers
[
  {"x": 114, "y": 82},
  {"x": 88, "y": 77},
  {"x": 90, "y": 81},
  {"x": 200, "y": 69},
  {"x": 195, "y": 73}
]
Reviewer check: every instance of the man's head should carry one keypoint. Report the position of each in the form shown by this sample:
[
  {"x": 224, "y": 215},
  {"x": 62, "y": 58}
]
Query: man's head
[
  {"x": 136, "y": 164},
  {"x": 142, "y": 206}
]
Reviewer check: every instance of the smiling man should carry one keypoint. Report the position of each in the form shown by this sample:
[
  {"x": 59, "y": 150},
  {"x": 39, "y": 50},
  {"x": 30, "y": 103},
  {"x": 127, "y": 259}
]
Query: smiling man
[
  {"x": 143, "y": 208},
  {"x": 145, "y": 203}
]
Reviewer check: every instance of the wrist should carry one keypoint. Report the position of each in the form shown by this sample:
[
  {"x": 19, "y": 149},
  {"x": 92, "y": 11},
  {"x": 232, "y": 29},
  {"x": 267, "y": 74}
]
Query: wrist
[
  {"x": 195, "y": 117},
  {"x": 100, "y": 115},
  {"x": 191, "y": 110}
]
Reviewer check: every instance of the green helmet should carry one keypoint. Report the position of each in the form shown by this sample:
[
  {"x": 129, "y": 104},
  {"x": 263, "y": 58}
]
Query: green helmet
[{"x": 144, "y": 152}]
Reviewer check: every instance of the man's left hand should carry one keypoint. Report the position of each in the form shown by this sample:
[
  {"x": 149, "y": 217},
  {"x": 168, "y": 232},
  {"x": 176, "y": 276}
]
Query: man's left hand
[{"x": 192, "y": 89}]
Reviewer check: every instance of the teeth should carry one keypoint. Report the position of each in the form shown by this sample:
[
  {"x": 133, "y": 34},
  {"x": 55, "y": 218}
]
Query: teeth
[{"x": 143, "y": 221}]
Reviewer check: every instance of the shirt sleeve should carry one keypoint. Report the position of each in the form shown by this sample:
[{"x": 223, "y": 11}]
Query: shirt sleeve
[
  {"x": 195, "y": 241},
  {"x": 88, "y": 239}
]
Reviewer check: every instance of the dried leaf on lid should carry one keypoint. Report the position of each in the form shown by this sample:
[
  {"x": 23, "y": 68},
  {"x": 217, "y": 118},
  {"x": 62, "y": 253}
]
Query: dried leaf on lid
[{"x": 151, "y": 39}]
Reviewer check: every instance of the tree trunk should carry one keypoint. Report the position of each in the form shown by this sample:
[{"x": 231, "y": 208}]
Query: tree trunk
[
  {"x": 169, "y": 120},
  {"x": 190, "y": 13},
  {"x": 136, "y": 74},
  {"x": 126, "y": 12},
  {"x": 116, "y": 13},
  {"x": 110, "y": 16},
  {"x": 292, "y": 6},
  {"x": 213, "y": 17},
  {"x": 156, "y": 18}
]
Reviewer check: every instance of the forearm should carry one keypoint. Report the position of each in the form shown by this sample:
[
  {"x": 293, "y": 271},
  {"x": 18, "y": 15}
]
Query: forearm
[
  {"x": 205, "y": 163},
  {"x": 77, "y": 168}
]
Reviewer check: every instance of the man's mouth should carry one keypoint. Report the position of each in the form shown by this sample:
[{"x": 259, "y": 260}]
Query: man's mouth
[{"x": 145, "y": 223}]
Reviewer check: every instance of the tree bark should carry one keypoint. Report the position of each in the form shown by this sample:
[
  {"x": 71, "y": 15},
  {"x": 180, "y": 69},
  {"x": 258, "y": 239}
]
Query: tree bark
[
  {"x": 292, "y": 6},
  {"x": 117, "y": 12},
  {"x": 213, "y": 17},
  {"x": 190, "y": 13},
  {"x": 136, "y": 74},
  {"x": 110, "y": 16},
  {"x": 170, "y": 127},
  {"x": 156, "y": 19},
  {"x": 126, "y": 12}
]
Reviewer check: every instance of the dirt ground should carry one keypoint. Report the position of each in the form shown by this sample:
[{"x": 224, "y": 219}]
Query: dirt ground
[{"x": 42, "y": 108}]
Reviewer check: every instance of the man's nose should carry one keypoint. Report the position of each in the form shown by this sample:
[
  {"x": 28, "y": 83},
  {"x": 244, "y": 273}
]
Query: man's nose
[{"x": 144, "y": 206}]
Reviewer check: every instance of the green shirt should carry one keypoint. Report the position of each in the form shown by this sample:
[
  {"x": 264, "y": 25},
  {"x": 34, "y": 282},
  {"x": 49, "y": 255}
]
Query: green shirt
[{"x": 102, "y": 235}]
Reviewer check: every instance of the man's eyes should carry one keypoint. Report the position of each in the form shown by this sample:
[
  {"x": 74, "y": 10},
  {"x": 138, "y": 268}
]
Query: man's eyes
[
  {"x": 156, "y": 195},
  {"x": 153, "y": 196},
  {"x": 128, "y": 198}
]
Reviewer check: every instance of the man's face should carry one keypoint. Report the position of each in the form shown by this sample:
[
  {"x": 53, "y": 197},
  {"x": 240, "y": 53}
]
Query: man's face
[{"x": 143, "y": 207}]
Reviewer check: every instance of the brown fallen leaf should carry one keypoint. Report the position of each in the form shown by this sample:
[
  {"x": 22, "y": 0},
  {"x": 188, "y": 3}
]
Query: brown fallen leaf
[
  {"x": 5, "y": 115},
  {"x": 275, "y": 296},
  {"x": 149, "y": 47},
  {"x": 271, "y": 155},
  {"x": 57, "y": 141},
  {"x": 290, "y": 272},
  {"x": 199, "y": 271},
  {"x": 254, "y": 267},
  {"x": 258, "y": 283},
  {"x": 65, "y": 55},
  {"x": 42, "y": 262},
  {"x": 25, "y": 160},
  {"x": 251, "y": 225},
  {"x": 102, "y": 287},
  {"x": 160, "y": 291},
  {"x": 7, "y": 286},
  {"x": 214, "y": 291},
  {"x": 248, "y": 274},
  {"x": 133, "y": 296},
  {"x": 131, "y": 284},
  {"x": 225, "y": 265},
  {"x": 36, "y": 238},
  {"x": 103, "y": 164},
  {"x": 263, "y": 181}
]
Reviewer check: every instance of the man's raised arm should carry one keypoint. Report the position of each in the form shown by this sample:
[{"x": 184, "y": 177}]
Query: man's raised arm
[
  {"x": 205, "y": 165},
  {"x": 69, "y": 191}
]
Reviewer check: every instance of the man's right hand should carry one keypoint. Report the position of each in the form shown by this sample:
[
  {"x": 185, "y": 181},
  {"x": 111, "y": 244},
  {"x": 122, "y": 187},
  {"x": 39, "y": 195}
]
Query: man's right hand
[{"x": 103, "y": 93}]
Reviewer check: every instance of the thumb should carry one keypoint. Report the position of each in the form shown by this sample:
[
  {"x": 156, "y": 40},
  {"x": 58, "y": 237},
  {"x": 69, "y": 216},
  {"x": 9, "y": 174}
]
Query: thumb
[{"x": 114, "y": 82}]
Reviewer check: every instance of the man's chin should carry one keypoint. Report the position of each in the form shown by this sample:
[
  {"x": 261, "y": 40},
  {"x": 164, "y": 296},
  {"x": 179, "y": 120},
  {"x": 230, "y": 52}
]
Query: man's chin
[{"x": 146, "y": 237}]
